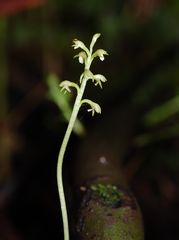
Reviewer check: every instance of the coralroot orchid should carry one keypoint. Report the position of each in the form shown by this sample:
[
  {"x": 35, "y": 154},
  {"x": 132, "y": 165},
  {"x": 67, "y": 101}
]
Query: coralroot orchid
[{"x": 85, "y": 57}]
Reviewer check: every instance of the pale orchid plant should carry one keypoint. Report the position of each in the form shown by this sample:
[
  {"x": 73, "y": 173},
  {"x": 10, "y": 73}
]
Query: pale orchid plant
[{"x": 86, "y": 57}]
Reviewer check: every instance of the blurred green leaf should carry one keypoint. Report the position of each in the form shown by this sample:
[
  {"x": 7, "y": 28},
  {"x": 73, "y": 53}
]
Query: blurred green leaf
[
  {"x": 162, "y": 112},
  {"x": 63, "y": 102}
]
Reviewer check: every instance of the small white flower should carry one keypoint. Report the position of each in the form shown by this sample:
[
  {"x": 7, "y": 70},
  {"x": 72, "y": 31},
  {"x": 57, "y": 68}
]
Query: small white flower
[
  {"x": 65, "y": 85},
  {"x": 100, "y": 53},
  {"x": 81, "y": 57},
  {"x": 79, "y": 44},
  {"x": 99, "y": 79},
  {"x": 94, "y": 108}
]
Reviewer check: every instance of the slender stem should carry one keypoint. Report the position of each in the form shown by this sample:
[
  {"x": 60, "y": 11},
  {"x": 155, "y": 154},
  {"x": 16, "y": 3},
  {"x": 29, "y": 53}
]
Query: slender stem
[
  {"x": 83, "y": 80},
  {"x": 74, "y": 114}
]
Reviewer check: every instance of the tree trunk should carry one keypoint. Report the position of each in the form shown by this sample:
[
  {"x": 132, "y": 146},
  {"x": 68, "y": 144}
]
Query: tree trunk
[{"x": 108, "y": 209}]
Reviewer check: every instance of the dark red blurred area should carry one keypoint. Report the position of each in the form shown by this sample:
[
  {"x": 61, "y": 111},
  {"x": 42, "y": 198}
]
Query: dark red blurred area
[
  {"x": 8, "y": 7},
  {"x": 145, "y": 8}
]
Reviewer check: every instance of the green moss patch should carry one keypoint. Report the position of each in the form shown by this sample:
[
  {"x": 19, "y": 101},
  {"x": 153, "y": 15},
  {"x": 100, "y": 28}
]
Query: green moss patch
[{"x": 109, "y": 194}]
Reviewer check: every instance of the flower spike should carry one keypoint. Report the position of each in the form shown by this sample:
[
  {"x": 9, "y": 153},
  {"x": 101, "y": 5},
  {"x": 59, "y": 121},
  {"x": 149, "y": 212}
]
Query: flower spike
[{"x": 85, "y": 56}]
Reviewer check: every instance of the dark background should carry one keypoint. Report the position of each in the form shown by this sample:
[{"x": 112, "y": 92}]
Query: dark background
[{"x": 142, "y": 39}]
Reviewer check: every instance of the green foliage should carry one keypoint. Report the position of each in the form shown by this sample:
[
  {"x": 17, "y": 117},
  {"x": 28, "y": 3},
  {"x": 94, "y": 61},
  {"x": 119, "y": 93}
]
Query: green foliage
[{"x": 163, "y": 112}]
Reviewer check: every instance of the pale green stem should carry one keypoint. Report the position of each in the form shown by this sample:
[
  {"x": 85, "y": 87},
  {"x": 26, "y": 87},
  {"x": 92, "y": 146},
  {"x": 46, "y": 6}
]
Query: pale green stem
[
  {"x": 86, "y": 75},
  {"x": 74, "y": 114}
]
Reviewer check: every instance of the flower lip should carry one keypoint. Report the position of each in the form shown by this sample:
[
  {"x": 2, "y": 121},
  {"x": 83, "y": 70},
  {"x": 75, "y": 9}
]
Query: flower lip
[{"x": 101, "y": 54}]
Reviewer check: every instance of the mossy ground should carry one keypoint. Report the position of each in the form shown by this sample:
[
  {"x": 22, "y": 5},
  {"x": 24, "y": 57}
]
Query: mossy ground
[{"x": 105, "y": 218}]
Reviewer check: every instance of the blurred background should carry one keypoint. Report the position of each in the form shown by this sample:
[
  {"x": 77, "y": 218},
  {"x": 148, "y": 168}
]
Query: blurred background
[{"x": 141, "y": 96}]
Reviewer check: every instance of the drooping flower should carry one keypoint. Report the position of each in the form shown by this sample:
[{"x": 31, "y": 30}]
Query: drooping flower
[
  {"x": 65, "y": 85},
  {"x": 100, "y": 53},
  {"x": 99, "y": 78},
  {"x": 81, "y": 57},
  {"x": 94, "y": 108},
  {"x": 79, "y": 44}
]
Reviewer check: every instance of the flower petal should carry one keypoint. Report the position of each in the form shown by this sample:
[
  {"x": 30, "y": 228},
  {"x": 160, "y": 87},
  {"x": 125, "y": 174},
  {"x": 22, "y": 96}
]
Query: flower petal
[
  {"x": 94, "y": 39},
  {"x": 79, "y": 44}
]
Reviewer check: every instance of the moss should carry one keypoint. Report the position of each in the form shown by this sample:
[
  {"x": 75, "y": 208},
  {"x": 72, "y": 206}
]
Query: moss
[
  {"x": 109, "y": 194},
  {"x": 99, "y": 221}
]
